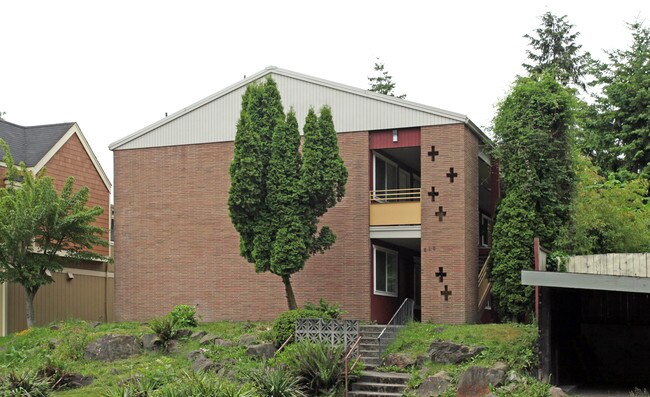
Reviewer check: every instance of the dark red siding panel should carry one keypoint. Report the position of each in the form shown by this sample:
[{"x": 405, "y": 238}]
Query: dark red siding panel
[{"x": 406, "y": 137}]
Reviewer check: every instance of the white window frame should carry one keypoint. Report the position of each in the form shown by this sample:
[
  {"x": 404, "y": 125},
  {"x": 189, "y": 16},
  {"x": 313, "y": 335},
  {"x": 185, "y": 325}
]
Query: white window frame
[{"x": 387, "y": 251}]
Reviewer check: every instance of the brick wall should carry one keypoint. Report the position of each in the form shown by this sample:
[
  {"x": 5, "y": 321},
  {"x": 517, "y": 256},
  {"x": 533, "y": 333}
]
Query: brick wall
[
  {"x": 72, "y": 160},
  {"x": 175, "y": 244},
  {"x": 452, "y": 243}
]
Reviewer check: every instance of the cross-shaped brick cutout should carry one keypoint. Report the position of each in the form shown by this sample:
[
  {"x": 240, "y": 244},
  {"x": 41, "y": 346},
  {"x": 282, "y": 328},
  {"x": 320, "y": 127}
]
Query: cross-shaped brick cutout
[
  {"x": 441, "y": 274},
  {"x": 451, "y": 174},
  {"x": 433, "y": 193},
  {"x": 441, "y": 214},
  {"x": 433, "y": 153},
  {"x": 445, "y": 293}
]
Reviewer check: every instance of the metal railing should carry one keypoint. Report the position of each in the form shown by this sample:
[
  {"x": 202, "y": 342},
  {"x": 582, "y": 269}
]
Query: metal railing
[
  {"x": 348, "y": 368},
  {"x": 484, "y": 285},
  {"x": 395, "y": 195},
  {"x": 402, "y": 316}
]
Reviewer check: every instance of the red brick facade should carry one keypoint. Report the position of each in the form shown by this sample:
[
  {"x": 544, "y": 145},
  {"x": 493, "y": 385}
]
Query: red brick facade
[
  {"x": 453, "y": 242},
  {"x": 72, "y": 160},
  {"x": 175, "y": 243}
]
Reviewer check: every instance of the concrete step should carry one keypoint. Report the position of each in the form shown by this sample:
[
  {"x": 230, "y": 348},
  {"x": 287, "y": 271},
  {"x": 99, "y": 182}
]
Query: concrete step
[
  {"x": 384, "y": 377},
  {"x": 373, "y": 394},
  {"x": 378, "y": 387}
]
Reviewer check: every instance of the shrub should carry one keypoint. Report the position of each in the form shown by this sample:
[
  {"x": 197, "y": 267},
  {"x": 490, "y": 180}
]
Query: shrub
[
  {"x": 24, "y": 384},
  {"x": 319, "y": 366},
  {"x": 185, "y": 316},
  {"x": 285, "y": 324},
  {"x": 331, "y": 310},
  {"x": 275, "y": 382},
  {"x": 201, "y": 385},
  {"x": 165, "y": 328}
]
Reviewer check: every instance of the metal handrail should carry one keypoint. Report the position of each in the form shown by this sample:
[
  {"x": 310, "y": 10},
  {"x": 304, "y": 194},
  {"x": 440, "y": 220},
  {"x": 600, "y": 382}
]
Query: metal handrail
[
  {"x": 286, "y": 342},
  {"x": 403, "y": 315},
  {"x": 347, "y": 362},
  {"x": 393, "y": 195}
]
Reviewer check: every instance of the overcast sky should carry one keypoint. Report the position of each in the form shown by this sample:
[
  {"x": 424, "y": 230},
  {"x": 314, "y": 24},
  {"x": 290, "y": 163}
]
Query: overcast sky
[{"x": 115, "y": 67}]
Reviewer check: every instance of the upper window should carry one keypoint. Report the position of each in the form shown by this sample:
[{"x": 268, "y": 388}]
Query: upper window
[
  {"x": 385, "y": 271},
  {"x": 484, "y": 230}
]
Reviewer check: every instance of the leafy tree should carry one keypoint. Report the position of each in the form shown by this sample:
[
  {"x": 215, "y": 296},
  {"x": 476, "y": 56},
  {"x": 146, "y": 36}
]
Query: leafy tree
[
  {"x": 41, "y": 230},
  {"x": 554, "y": 48},
  {"x": 533, "y": 135},
  {"x": 278, "y": 195},
  {"x": 609, "y": 215},
  {"x": 617, "y": 133},
  {"x": 382, "y": 82}
]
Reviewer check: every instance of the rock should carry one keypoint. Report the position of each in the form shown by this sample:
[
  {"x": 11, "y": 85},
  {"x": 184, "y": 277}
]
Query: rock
[
  {"x": 200, "y": 363},
  {"x": 113, "y": 347},
  {"x": 247, "y": 340},
  {"x": 263, "y": 350},
  {"x": 476, "y": 381},
  {"x": 95, "y": 324},
  {"x": 224, "y": 343},
  {"x": 53, "y": 343},
  {"x": 74, "y": 381},
  {"x": 55, "y": 327},
  {"x": 556, "y": 392},
  {"x": 208, "y": 339},
  {"x": 172, "y": 346},
  {"x": 501, "y": 366},
  {"x": 445, "y": 352},
  {"x": 151, "y": 342},
  {"x": 435, "y": 385},
  {"x": 198, "y": 335},
  {"x": 420, "y": 360},
  {"x": 194, "y": 354},
  {"x": 400, "y": 360},
  {"x": 183, "y": 333}
]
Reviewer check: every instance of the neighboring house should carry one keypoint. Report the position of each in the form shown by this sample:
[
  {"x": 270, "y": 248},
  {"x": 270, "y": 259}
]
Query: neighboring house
[
  {"x": 414, "y": 222},
  {"x": 83, "y": 290}
]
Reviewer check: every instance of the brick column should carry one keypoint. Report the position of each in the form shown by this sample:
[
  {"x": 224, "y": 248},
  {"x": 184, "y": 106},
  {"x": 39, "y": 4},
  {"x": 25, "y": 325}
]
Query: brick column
[{"x": 450, "y": 244}]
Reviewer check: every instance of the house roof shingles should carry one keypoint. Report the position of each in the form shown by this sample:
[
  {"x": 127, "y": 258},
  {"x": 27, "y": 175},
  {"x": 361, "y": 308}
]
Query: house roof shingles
[{"x": 31, "y": 144}]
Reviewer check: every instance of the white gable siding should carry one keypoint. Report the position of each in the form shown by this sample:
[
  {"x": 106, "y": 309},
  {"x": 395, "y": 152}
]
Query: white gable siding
[{"x": 353, "y": 110}]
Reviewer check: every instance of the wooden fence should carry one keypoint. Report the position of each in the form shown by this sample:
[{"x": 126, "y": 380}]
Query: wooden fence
[{"x": 631, "y": 265}]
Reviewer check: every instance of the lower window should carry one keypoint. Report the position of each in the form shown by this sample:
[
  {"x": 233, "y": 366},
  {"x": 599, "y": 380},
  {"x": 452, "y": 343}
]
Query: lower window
[{"x": 385, "y": 271}]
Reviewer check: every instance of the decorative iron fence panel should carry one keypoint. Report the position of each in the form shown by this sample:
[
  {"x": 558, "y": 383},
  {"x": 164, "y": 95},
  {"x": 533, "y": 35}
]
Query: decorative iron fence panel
[{"x": 336, "y": 332}]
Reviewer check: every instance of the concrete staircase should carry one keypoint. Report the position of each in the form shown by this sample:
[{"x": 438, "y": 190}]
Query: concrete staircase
[
  {"x": 379, "y": 384},
  {"x": 373, "y": 383},
  {"x": 369, "y": 345}
]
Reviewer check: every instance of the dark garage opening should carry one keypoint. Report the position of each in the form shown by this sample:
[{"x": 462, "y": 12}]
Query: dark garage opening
[{"x": 595, "y": 337}]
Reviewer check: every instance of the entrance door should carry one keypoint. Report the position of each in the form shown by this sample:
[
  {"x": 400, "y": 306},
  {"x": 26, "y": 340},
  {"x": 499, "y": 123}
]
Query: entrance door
[{"x": 417, "y": 288}]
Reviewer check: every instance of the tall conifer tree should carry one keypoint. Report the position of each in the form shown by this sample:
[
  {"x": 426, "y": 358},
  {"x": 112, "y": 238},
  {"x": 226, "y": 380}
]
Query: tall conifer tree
[{"x": 278, "y": 195}]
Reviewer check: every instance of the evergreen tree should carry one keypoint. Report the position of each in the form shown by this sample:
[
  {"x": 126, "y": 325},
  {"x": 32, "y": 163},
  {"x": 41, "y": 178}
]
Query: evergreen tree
[
  {"x": 383, "y": 82},
  {"x": 617, "y": 133},
  {"x": 38, "y": 225},
  {"x": 554, "y": 48},
  {"x": 533, "y": 135},
  {"x": 276, "y": 195}
]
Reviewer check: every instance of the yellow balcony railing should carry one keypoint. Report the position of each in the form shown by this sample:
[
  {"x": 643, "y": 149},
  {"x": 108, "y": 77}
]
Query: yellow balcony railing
[{"x": 395, "y": 207}]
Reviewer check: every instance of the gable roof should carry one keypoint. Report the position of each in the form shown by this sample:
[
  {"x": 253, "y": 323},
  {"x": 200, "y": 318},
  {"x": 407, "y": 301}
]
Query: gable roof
[
  {"x": 36, "y": 145},
  {"x": 214, "y": 119},
  {"x": 30, "y": 144}
]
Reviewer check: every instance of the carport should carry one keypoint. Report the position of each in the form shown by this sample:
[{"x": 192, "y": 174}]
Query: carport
[{"x": 594, "y": 320}]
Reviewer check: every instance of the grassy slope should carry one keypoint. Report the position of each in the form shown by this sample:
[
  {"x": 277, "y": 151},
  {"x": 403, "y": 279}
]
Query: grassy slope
[
  {"x": 513, "y": 344},
  {"x": 504, "y": 342},
  {"x": 33, "y": 350}
]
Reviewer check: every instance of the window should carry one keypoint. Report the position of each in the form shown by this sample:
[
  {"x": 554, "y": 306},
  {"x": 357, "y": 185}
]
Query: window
[{"x": 385, "y": 271}]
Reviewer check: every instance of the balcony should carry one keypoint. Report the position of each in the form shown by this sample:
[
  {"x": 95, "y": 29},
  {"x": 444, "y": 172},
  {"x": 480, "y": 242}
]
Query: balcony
[{"x": 395, "y": 207}]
